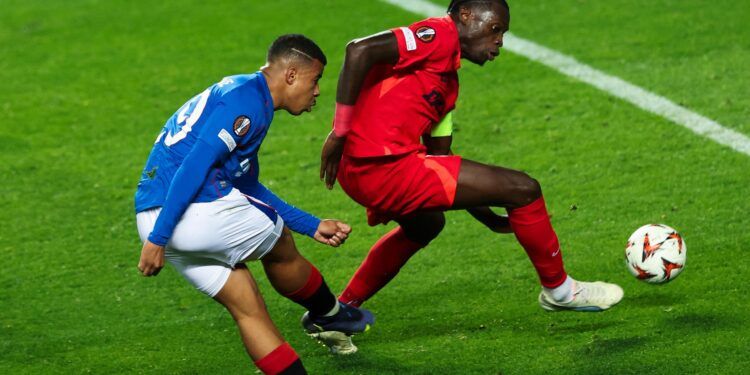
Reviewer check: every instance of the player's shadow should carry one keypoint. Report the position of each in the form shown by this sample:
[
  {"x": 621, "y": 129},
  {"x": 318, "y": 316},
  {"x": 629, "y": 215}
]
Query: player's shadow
[
  {"x": 578, "y": 327},
  {"x": 650, "y": 300},
  {"x": 460, "y": 325},
  {"x": 603, "y": 349},
  {"x": 369, "y": 364},
  {"x": 693, "y": 322},
  {"x": 610, "y": 346},
  {"x": 462, "y": 322}
]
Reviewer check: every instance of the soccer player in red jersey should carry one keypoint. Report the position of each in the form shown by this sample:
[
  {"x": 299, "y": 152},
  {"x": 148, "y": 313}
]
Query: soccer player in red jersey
[{"x": 399, "y": 86}]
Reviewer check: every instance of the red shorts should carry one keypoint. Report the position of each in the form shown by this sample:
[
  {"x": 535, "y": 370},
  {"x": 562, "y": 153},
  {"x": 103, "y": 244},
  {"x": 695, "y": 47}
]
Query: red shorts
[{"x": 395, "y": 186}]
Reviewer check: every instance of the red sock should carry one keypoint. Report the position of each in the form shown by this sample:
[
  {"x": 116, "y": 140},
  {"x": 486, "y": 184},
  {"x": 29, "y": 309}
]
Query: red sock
[
  {"x": 383, "y": 262},
  {"x": 306, "y": 291},
  {"x": 315, "y": 295},
  {"x": 279, "y": 360},
  {"x": 534, "y": 231}
]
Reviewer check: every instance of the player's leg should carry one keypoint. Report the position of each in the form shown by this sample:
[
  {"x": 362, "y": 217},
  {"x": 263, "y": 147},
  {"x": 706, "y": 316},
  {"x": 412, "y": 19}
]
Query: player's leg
[
  {"x": 204, "y": 247},
  {"x": 236, "y": 289},
  {"x": 263, "y": 342},
  {"x": 238, "y": 292},
  {"x": 486, "y": 185},
  {"x": 296, "y": 278},
  {"x": 390, "y": 253}
]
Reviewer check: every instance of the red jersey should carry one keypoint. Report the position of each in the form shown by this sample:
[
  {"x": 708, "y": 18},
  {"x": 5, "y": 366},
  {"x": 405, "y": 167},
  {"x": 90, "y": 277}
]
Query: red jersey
[{"x": 399, "y": 103}]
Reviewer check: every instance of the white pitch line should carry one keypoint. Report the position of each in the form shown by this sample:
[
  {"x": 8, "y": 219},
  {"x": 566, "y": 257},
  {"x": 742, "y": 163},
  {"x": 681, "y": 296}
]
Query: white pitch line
[{"x": 638, "y": 96}]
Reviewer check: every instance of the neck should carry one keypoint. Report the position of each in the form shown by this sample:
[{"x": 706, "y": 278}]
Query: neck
[
  {"x": 274, "y": 86},
  {"x": 460, "y": 30}
]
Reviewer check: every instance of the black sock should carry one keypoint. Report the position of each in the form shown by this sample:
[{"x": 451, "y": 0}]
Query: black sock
[
  {"x": 315, "y": 295},
  {"x": 295, "y": 368}
]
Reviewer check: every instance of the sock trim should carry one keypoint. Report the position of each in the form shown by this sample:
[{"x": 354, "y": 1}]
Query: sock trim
[
  {"x": 277, "y": 360},
  {"x": 527, "y": 215},
  {"x": 555, "y": 282},
  {"x": 562, "y": 295},
  {"x": 313, "y": 283}
]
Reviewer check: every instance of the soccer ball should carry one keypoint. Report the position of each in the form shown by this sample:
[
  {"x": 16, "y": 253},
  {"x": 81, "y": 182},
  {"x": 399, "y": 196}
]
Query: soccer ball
[{"x": 655, "y": 253}]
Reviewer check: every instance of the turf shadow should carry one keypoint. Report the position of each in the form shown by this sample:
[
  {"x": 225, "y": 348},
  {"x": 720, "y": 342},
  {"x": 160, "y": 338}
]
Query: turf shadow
[
  {"x": 603, "y": 347},
  {"x": 653, "y": 299},
  {"x": 692, "y": 322},
  {"x": 371, "y": 364},
  {"x": 565, "y": 328}
]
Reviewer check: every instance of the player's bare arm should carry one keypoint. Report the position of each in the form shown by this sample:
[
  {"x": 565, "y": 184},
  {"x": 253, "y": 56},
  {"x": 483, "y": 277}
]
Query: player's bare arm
[
  {"x": 361, "y": 55},
  {"x": 437, "y": 145},
  {"x": 494, "y": 222}
]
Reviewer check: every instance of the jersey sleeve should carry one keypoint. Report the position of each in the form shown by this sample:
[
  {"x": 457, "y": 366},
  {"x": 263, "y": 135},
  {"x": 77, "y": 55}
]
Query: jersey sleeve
[
  {"x": 424, "y": 45},
  {"x": 183, "y": 188},
  {"x": 218, "y": 137},
  {"x": 295, "y": 218}
]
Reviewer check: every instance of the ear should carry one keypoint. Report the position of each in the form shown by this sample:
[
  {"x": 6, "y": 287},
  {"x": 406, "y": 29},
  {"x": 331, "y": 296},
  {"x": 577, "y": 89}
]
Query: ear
[
  {"x": 290, "y": 75},
  {"x": 464, "y": 14}
]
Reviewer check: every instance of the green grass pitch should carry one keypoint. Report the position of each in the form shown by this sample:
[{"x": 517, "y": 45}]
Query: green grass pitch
[{"x": 85, "y": 86}]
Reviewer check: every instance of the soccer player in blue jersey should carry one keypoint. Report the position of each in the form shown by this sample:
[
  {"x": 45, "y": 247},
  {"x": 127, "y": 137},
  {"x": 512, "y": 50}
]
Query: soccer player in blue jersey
[{"x": 199, "y": 204}]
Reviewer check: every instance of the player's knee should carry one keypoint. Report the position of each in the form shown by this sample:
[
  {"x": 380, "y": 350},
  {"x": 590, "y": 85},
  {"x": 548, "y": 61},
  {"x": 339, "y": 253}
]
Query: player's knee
[
  {"x": 284, "y": 250},
  {"x": 245, "y": 312},
  {"x": 436, "y": 226},
  {"x": 525, "y": 190}
]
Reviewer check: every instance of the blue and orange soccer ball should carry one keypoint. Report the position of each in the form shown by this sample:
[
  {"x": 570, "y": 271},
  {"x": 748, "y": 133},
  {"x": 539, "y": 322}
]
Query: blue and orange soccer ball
[{"x": 655, "y": 253}]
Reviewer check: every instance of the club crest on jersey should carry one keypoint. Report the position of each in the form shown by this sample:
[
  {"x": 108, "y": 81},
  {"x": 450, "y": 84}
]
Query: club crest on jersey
[
  {"x": 436, "y": 100},
  {"x": 426, "y": 34},
  {"x": 241, "y": 125}
]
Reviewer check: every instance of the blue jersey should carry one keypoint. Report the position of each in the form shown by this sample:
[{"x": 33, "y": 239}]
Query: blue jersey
[{"x": 209, "y": 146}]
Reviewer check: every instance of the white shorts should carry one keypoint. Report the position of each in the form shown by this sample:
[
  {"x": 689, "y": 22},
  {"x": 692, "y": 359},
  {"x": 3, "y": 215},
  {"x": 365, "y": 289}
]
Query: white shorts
[{"x": 212, "y": 237}]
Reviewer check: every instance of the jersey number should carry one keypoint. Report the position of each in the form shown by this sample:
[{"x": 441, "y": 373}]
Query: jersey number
[{"x": 187, "y": 117}]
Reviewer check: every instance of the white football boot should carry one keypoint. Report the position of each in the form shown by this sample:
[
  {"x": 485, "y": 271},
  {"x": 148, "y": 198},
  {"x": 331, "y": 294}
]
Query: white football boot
[
  {"x": 336, "y": 342},
  {"x": 587, "y": 296}
]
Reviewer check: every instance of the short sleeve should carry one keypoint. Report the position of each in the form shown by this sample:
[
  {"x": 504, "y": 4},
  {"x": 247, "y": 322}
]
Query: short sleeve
[{"x": 426, "y": 45}]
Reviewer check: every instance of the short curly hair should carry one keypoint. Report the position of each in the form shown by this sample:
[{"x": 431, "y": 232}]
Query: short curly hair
[{"x": 455, "y": 5}]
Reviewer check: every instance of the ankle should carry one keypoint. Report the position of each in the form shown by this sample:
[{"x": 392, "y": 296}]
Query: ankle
[
  {"x": 335, "y": 310},
  {"x": 563, "y": 292}
]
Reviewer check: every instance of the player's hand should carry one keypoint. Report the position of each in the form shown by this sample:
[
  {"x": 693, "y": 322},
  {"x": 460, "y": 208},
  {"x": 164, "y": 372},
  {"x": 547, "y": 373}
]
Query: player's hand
[
  {"x": 496, "y": 223},
  {"x": 152, "y": 259},
  {"x": 330, "y": 158},
  {"x": 499, "y": 224},
  {"x": 332, "y": 232}
]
